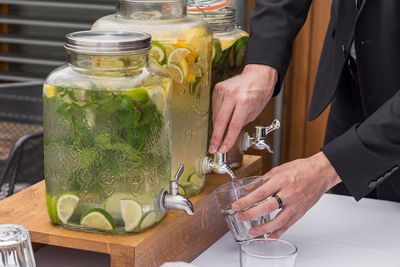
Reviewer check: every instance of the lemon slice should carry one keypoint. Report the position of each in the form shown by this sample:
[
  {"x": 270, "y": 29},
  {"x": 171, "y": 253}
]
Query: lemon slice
[
  {"x": 148, "y": 219},
  {"x": 155, "y": 64},
  {"x": 177, "y": 55},
  {"x": 175, "y": 72},
  {"x": 195, "y": 180},
  {"x": 228, "y": 42},
  {"x": 195, "y": 69},
  {"x": 131, "y": 214},
  {"x": 199, "y": 45},
  {"x": 158, "y": 52},
  {"x": 184, "y": 67},
  {"x": 66, "y": 205},
  {"x": 157, "y": 96},
  {"x": 112, "y": 204},
  {"x": 196, "y": 32},
  {"x": 50, "y": 91},
  {"x": 98, "y": 219}
]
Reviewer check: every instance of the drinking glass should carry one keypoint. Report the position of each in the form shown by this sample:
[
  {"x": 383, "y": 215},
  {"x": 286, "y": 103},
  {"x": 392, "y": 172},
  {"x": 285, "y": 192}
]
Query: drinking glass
[
  {"x": 267, "y": 252},
  {"x": 228, "y": 193},
  {"x": 15, "y": 246}
]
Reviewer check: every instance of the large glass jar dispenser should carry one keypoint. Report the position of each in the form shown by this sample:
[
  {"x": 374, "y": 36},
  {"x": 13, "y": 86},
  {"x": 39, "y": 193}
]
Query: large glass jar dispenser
[
  {"x": 182, "y": 48},
  {"x": 107, "y": 135}
]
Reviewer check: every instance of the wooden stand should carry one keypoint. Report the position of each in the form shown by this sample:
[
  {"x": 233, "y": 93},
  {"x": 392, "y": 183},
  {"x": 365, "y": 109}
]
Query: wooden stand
[{"x": 177, "y": 237}]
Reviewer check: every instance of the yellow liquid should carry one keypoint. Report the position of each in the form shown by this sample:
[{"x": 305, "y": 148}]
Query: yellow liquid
[
  {"x": 190, "y": 107},
  {"x": 190, "y": 70}
]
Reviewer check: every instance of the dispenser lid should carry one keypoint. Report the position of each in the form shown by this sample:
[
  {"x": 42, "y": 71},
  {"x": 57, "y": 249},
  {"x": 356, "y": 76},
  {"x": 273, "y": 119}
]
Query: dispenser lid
[
  {"x": 216, "y": 16},
  {"x": 108, "y": 42},
  {"x": 200, "y": 6}
]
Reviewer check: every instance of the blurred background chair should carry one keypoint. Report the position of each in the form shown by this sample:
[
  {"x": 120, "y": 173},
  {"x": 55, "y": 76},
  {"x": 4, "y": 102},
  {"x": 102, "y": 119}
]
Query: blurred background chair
[
  {"x": 24, "y": 166},
  {"x": 21, "y": 152}
]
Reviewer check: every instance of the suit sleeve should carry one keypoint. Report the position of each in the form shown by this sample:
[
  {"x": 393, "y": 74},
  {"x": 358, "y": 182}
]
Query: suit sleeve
[
  {"x": 368, "y": 153},
  {"x": 273, "y": 26}
]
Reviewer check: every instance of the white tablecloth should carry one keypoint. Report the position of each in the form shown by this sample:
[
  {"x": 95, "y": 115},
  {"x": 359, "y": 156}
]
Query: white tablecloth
[{"x": 337, "y": 231}]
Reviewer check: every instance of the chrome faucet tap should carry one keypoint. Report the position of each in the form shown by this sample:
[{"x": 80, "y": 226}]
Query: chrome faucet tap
[
  {"x": 173, "y": 200},
  {"x": 217, "y": 164},
  {"x": 259, "y": 141}
]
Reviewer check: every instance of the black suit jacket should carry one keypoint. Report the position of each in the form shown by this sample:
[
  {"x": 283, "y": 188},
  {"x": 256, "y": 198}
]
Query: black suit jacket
[{"x": 369, "y": 152}]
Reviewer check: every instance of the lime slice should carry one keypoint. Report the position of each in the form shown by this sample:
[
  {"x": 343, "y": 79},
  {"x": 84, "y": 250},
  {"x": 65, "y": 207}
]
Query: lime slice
[
  {"x": 213, "y": 52},
  {"x": 54, "y": 209},
  {"x": 131, "y": 214},
  {"x": 240, "y": 51},
  {"x": 177, "y": 55},
  {"x": 148, "y": 219},
  {"x": 113, "y": 206},
  {"x": 186, "y": 173},
  {"x": 216, "y": 53},
  {"x": 195, "y": 180},
  {"x": 175, "y": 72},
  {"x": 49, "y": 207},
  {"x": 157, "y": 96},
  {"x": 195, "y": 87},
  {"x": 98, "y": 219},
  {"x": 158, "y": 52},
  {"x": 138, "y": 94},
  {"x": 182, "y": 190},
  {"x": 66, "y": 205},
  {"x": 168, "y": 48}
]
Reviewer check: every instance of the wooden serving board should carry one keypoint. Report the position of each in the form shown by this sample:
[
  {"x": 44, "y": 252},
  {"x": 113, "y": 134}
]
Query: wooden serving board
[{"x": 177, "y": 237}]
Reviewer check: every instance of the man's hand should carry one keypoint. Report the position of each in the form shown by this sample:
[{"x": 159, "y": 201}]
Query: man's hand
[
  {"x": 238, "y": 101},
  {"x": 299, "y": 184}
]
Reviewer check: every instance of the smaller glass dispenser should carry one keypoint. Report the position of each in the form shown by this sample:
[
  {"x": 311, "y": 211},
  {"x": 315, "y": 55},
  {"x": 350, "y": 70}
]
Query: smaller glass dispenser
[
  {"x": 229, "y": 52},
  {"x": 107, "y": 136}
]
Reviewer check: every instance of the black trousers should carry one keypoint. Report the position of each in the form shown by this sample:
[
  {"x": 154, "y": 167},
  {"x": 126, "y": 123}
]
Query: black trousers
[{"x": 347, "y": 110}]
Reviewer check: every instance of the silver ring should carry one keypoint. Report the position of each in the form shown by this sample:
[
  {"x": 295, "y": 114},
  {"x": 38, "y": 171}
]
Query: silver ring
[{"x": 278, "y": 199}]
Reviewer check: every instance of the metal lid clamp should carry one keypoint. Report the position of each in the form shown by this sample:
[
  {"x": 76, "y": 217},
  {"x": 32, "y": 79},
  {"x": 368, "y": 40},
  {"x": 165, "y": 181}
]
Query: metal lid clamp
[{"x": 202, "y": 6}]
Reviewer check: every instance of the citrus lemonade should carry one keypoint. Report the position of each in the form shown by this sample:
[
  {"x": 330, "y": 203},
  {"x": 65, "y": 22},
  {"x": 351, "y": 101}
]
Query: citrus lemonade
[{"x": 181, "y": 48}]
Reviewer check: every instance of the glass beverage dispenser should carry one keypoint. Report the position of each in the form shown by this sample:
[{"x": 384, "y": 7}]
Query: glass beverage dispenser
[
  {"x": 182, "y": 48},
  {"x": 228, "y": 57},
  {"x": 107, "y": 136},
  {"x": 229, "y": 52}
]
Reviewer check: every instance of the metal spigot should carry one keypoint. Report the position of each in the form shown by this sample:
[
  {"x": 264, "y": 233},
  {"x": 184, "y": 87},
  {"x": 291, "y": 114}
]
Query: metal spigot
[
  {"x": 217, "y": 164},
  {"x": 259, "y": 140},
  {"x": 173, "y": 200}
]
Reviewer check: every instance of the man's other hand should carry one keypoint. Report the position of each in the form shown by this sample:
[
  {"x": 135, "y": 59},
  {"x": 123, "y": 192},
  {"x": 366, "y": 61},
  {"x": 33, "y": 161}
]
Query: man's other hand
[{"x": 299, "y": 185}]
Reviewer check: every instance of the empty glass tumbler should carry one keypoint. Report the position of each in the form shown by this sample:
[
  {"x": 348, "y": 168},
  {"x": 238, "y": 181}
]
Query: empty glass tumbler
[
  {"x": 267, "y": 252},
  {"x": 228, "y": 193},
  {"x": 15, "y": 246}
]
